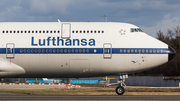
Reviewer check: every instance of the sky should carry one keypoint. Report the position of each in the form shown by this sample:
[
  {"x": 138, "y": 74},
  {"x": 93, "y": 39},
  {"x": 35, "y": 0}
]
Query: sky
[{"x": 150, "y": 15}]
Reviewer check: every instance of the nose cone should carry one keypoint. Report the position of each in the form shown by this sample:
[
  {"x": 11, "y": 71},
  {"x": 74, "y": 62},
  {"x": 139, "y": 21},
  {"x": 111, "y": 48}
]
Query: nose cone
[{"x": 171, "y": 53}]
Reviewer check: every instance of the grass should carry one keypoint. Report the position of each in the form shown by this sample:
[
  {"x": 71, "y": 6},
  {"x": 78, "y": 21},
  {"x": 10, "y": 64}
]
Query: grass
[{"x": 95, "y": 91}]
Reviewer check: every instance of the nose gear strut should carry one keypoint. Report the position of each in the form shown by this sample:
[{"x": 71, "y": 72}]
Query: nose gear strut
[{"x": 120, "y": 89}]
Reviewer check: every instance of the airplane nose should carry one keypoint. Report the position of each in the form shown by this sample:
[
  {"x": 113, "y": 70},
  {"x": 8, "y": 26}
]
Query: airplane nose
[{"x": 171, "y": 53}]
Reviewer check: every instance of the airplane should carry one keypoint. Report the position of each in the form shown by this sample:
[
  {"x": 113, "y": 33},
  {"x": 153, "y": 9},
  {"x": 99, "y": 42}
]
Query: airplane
[{"x": 78, "y": 49}]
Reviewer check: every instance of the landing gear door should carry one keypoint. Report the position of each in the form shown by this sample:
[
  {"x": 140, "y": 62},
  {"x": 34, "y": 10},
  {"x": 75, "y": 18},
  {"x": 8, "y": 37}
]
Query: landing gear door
[
  {"x": 10, "y": 50},
  {"x": 107, "y": 50},
  {"x": 66, "y": 30}
]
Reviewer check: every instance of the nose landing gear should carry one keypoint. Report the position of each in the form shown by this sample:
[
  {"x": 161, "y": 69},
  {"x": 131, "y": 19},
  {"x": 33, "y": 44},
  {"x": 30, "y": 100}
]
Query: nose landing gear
[{"x": 120, "y": 89}]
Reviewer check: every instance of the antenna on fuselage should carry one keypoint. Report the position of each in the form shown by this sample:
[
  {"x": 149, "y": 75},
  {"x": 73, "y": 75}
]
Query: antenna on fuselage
[
  {"x": 69, "y": 20},
  {"x": 58, "y": 20},
  {"x": 105, "y": 16}
]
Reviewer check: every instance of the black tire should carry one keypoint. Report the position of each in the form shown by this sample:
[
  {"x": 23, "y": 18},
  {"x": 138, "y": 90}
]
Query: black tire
[{"x": 120, "y": 90}]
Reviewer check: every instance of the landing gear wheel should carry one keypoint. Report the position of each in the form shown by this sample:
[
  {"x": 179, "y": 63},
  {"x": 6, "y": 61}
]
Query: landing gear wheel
[{"x": 120, "y": 90}]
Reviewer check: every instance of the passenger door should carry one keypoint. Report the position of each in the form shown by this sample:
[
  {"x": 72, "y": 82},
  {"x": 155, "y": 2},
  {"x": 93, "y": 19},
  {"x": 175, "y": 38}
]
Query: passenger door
[
  {"x": 107, "y": 51},
  {"x": 66, "y": 30},
  {"x": 10, "y": 50}
]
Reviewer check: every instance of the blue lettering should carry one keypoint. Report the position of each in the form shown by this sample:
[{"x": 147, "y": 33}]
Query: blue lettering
[
  {"x": 74, "y": 41},
  {"x": 58, "y": 40},
  {"x": 91, "y": 42},
  {"x": 48, "y": 39},
  {"x": 61, "y": 42},
  {"x": 83, "y": 42},
  {"x": 54, "y": 41},
  {"x": 68, "y": 42},
  {"x": 43, "y": 42},
  {"x": 32, "y": 42}
]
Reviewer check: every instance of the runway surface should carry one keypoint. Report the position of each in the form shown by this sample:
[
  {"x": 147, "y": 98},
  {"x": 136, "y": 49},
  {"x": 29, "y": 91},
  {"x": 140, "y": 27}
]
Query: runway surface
[{"x": 13, "y": 96}]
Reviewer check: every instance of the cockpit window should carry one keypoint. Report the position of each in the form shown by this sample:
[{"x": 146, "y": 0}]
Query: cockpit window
[{"x": 136, "y": 30}]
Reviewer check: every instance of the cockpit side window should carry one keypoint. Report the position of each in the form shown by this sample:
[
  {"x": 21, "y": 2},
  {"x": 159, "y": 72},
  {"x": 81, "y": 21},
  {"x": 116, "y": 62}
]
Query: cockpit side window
[
  {"x": 136, "y": 30},
  {"x": 132, "y": 29},
  {"x": 140, "y": 30}
]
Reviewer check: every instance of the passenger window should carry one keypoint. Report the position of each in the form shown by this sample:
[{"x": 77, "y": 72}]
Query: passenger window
[
  {"x": 29, "y": 31},
  {"x": 161, "y": 51},
  {"x": 43, "y": 50},
  {"x": 28, "y": 50},
  {"x": 14, "y": 31},
  {"x": 102, "y": 31},
  {"x": 105, "y": 50},
  {"x": 24, "y": 31},
  {"x": 143, "y": 50},
  {"x": 132, "y": 50},
  {"x": 146, "y": 50},
  {"x": 6, "y": 31},
  {"x": 36, "y": 31},
  {"x": 17, "y": 31},
  {"x": 61, "y": 50},
  {"x": 8, "y": 50},
  {"x": 3, "y": 32},
  {"x": 69, "y": 50},
  {"x": 58, "y": 31},
  {"x": 50, "y": 50},
  {"x": 84, "y": 31},
  {"x": 32, "y": 31},
  {"x": 139, "y": 51},
  {"x": 150, "y": 51},
  {"x": 72, "y": 31},
  {"x": 54, "y": 31},
  {"x": 84, "y": 51},
  {"x": 54, "y": 50},
  {"x": 91, "y": 31},
  {"x": 121, "y": 50},
  {"x": 124, "y": 50},
  {"x": 87, "y": 31},
  {"x": 65, "y": 50},
  {"x": 80, "y": 50},
  {"x": 158, "y": 51},
  {"x": 98, "y": 31},
  {"x": 32, "y": 50},
  {"x": 43, "y": 31},
  {"x": 58, "y": 50},
  {"x": 50, "y": 31},
  {"x": 21, "y": 50},
  {"x": 135, "y": 50},
  {"x": 128, "y": 50},
  {"x": 10, "y": 31},
  {"x": 24, "y": 50},
  {"x": 47, "y": 31},
  {"x": 39, "y": 31},
  {"x": 76, "y": 50},
  {"x": 72, "y": 50},
  {"x": 154, "y": 51},
  {"x": 39, "y": 51},
  {"x": 76, "y": 31},
  {"x": 87, "y": 50},
  {"x": 94, "y": 31}
]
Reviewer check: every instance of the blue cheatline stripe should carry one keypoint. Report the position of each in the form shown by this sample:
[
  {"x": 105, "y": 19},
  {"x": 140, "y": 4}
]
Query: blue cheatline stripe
[{"x": 85, "y": 51}]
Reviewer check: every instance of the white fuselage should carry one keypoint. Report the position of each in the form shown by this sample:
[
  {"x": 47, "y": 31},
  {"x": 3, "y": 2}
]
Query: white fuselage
[{"x": 76, "y": 49}]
